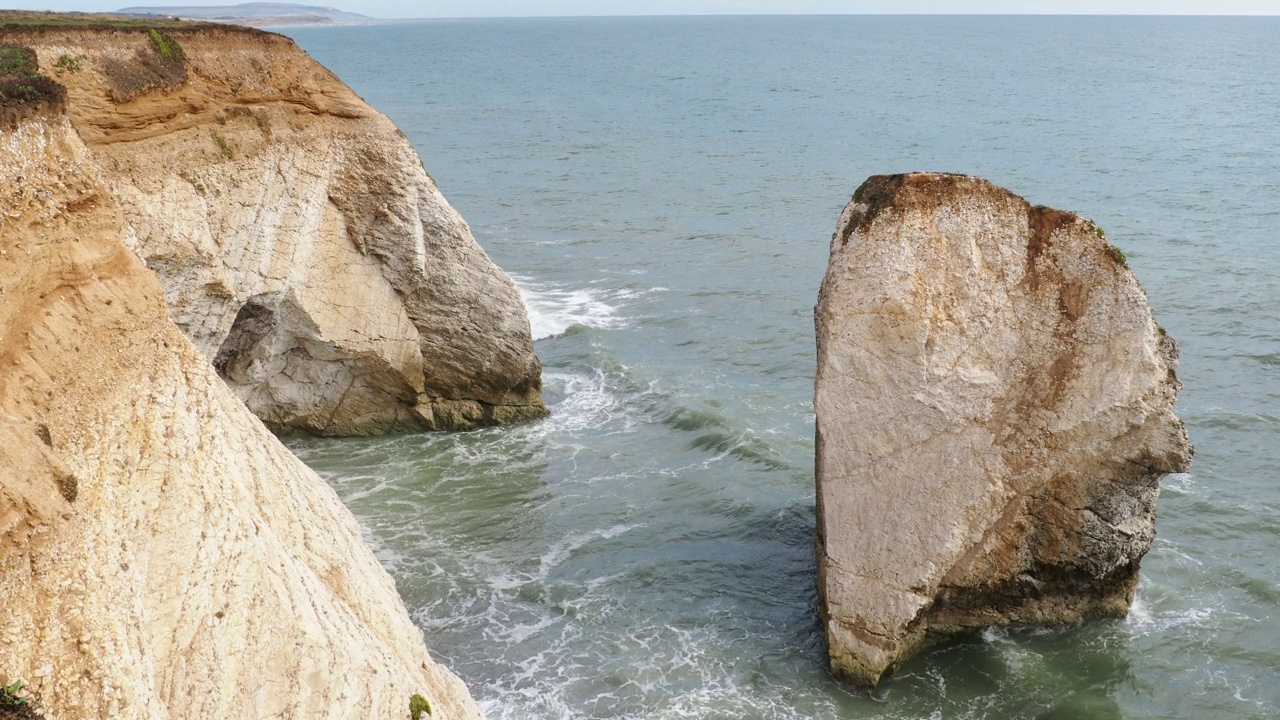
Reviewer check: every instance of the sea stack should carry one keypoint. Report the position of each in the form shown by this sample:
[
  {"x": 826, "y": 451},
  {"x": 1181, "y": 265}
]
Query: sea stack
[{"x": 994, "y": 414}]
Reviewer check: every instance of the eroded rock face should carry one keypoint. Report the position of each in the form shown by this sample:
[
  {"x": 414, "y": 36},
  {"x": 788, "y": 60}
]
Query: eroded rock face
[
  {"x": 994, "y": 414},
  {"x": 162, "y": 555},
  {"x": 257, "y": 177}
]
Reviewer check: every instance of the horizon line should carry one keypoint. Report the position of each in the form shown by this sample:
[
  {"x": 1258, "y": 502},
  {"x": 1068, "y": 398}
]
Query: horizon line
[
  {"x": 823, "y": 14},
  {"x": 769, "y": 13}
]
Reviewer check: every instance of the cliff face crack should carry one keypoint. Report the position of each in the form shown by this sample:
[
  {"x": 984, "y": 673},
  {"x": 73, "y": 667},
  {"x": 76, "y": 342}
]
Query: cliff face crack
[{"x": 338, "y": 405}]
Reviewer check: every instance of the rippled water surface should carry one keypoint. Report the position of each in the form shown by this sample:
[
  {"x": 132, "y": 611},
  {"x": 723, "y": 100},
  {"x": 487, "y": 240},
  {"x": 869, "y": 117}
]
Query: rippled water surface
[{"x": 664, "y": 190}]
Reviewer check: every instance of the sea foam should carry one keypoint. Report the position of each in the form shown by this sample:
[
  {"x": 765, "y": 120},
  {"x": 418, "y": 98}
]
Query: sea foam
[{"x": 554, "y": 308}]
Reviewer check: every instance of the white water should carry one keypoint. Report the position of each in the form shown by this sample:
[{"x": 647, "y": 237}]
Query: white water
[{"x": 665, "y": 189}]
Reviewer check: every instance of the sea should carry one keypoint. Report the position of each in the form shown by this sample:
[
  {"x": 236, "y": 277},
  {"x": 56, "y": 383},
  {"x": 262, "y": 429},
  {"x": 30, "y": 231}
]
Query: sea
[{"x": 663, "y": 191}]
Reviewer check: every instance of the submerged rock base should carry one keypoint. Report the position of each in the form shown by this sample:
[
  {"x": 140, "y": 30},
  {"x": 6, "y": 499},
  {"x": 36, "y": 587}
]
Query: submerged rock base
[{"x": 994, "y": 414}]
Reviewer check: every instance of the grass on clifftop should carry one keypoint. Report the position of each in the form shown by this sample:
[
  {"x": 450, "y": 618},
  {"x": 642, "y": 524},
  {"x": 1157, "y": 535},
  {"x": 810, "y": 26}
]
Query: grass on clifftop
[
  {"x": 164, "y": 45},
  {"x": 31, "y": 20},
  {"x": 163, "y": 68},
  {"x": 21, "y": 22}
]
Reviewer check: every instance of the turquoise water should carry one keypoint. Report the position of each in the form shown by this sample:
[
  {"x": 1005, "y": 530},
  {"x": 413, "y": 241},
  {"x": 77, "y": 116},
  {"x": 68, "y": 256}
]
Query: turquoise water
[{"x": 664, "y": 190}]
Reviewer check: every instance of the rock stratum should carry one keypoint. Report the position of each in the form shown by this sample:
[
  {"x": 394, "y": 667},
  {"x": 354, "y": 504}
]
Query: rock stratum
[
  {"x": 994, "y": 414},
  {"x": 162, "y": 555},
  {"x": 302, "y": 246}
]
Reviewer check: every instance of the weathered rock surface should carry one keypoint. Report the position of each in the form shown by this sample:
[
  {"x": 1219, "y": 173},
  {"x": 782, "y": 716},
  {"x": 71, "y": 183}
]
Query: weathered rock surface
[
  {"x": 162, "y": 555},
  {"x": 994, "y": 413},
  {"x": 302, "y": 246}
]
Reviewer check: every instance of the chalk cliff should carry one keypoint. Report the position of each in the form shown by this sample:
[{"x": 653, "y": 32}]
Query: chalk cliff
[
  {"x": 302, "y": 246},
  {"x": 162, "y": 555},
  {"x": 994, "y": 414}
]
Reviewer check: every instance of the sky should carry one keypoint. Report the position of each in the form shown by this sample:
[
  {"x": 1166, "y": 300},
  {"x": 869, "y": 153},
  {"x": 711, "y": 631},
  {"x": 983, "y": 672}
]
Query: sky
[{"x": 523, "y": 8}]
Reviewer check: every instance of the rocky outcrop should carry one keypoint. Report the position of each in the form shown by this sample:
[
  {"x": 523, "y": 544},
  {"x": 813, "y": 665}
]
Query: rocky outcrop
[
  {"x": 994, "y": 414},
  {"x": 301, "y": 244},
  {"x": 162, "y": 555}
]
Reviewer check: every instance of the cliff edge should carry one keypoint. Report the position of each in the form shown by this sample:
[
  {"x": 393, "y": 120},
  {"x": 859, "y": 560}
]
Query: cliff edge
[
  {"x": 302, "y": 246},
  {"x": 994, "y": 413},
  {"x": 162, "y": 555}
]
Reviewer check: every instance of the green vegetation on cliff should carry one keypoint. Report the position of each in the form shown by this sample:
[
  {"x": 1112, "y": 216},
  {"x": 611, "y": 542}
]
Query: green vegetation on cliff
[
  {"x": 23, "y": 90},
  {"x": 19, "y": 20}
]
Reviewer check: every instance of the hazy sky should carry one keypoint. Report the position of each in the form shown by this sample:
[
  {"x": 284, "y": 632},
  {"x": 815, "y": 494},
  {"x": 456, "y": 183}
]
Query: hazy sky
[{"x": 500, "y": 8}]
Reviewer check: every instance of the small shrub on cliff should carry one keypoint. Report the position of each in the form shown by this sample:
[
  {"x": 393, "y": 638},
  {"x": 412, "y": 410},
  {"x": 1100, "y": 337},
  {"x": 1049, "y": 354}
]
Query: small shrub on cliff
[
  {"x": 67, "y": 63},
  {"x": 1116, "y": 254},
  {"x": 418, "y": 704},
  {"x": 17, "y": 60},
  {"x": 223, "y": 145},
  {"x": 9, "y": 695}
]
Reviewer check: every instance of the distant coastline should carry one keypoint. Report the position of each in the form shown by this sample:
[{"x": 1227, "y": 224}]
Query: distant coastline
[{"x": 256, "y": 14}]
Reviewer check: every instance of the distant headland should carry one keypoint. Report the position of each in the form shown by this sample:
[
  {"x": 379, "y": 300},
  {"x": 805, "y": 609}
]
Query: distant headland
[{"x": 255, "y": 14}]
